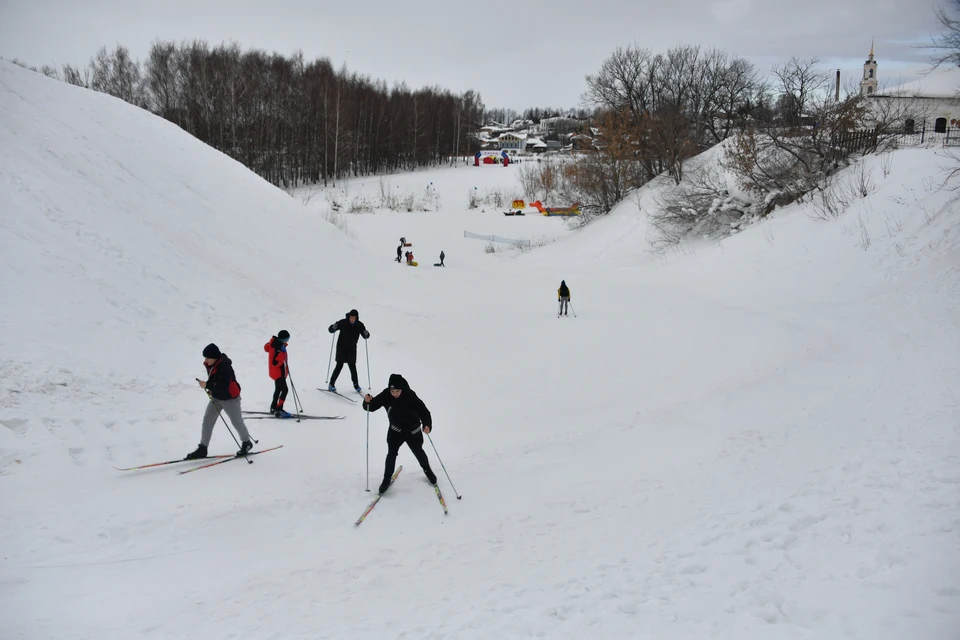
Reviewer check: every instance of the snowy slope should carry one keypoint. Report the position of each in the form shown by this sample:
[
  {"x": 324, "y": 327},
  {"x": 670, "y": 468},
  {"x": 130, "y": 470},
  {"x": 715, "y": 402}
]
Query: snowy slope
[
  {"x": 118, "y": 228},
  {"x": 756, "y": 439}
]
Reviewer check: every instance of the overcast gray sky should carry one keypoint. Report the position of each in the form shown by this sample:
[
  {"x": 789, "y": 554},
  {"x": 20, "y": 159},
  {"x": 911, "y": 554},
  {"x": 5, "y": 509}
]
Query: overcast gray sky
[{"x": 516, "y": 54}]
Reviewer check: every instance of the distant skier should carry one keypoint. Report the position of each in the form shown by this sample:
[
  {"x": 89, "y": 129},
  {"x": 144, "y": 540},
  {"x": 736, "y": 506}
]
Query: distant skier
[
  {"x": 406, "y": 412},
  {"x": 399, "y": 252},
  {"x": 276, "y": 350},
  {"x": 442, "y": 256},
  {"x": 223, "y": 387},
  {"x": 563, "y": 295},
  {"x": 350, "y": 329}
]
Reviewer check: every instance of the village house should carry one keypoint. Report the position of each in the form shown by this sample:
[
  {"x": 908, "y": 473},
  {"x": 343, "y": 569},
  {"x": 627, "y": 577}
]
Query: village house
[{"x": 512, "y": 141}]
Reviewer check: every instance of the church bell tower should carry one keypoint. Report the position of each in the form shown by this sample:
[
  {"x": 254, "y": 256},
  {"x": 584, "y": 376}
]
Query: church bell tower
[{"x": 868, "y": 84}]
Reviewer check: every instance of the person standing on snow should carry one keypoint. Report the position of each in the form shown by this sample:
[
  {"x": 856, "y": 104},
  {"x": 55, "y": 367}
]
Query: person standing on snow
[
  {"x": 442, "y": 256},
  {"x": 399, "y": 252},
  {"x": 409, "y": 420},
  {"x": 276, "y": 350},
  {"x": 224, "y": 392},
  {"x": 350, "y": 329},
  {"x": 563, "y": 295}
]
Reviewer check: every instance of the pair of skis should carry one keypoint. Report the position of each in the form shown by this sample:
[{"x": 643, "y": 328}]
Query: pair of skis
[
  {"x": 370, "y": 507},
  {"x": 215, "y": 461},
  {"x": 337, "y": 393},
  {"x": 266, "y": 415}
]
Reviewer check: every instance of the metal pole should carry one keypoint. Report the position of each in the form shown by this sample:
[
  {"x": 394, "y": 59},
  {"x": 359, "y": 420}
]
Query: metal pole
[
  {"x": 443, "y": 467},
  {"x": 296, "y": 398},
  {"x": 366, "y": 345},
  {"x": 368, "y": 451},
  {"x": 330, "y": 359}
]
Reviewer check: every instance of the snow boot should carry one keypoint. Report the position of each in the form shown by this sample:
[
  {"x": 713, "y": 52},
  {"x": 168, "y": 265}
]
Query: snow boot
[
  {"x": 431, "y": 476},
  {"x": 199, "y": 454},
  {"x": 280, "y": 413},
  {"x": 357, "y": 388},
  {"x": 332, "y": 388},
  {"x": 384, "y": 486},
  {"x": 245, "y": 447}
]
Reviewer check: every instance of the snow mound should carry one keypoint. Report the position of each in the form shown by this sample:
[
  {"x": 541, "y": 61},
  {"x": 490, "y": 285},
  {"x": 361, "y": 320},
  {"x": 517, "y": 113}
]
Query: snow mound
[{"x": 123, "y": 239}]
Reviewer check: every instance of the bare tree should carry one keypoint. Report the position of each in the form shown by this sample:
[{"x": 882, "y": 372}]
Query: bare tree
[
  {"x": 604, "y": 177},
  {"x": 162, "y": 81},
  {"x": 73, "y": 75},
  {"x": 782, "y": 164},
  {"x": 800, "y": 82},
  {"x": 117, "y": 74},
  {"x": 947, "y": 44}
]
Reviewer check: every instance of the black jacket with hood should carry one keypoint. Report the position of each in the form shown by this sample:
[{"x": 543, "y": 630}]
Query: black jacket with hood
[
  {"x": 349, "y": 336},
  {"x": 221, "y": 380},
  {"x": 406, "y": 413}
]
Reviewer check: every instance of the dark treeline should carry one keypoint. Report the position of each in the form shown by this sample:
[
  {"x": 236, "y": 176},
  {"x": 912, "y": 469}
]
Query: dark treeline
[
  {"x": 289, "y": 120},
  {"x": 534, "y": 114}
]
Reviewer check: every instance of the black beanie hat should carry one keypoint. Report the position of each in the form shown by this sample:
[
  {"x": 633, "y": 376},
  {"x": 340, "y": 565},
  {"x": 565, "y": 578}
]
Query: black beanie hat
[
  {"x": 354, "y": 312},
  {"x": 211, "y": 351},
  {"x": 284, "y": 335}
]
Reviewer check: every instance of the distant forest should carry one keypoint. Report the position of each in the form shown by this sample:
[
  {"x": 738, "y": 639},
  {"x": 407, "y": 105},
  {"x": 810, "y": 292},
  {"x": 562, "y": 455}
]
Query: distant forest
[{"x": 291, "y": 121}]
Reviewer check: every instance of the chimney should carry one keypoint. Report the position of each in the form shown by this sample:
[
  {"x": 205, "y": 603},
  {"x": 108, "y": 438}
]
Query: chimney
[{"x": 837, "y": 97}]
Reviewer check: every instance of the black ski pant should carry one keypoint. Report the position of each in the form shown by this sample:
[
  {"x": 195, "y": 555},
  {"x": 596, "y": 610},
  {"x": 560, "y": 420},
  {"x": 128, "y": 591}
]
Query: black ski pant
[
  {"x": 279, "y": 393},
  {"x": 395, "y": 440},
  {"x": 353, "y": 372}
]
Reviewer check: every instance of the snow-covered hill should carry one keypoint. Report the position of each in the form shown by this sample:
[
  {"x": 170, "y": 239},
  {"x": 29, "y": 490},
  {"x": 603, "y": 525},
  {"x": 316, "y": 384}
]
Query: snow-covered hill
[{"x": 750, "y": 439}]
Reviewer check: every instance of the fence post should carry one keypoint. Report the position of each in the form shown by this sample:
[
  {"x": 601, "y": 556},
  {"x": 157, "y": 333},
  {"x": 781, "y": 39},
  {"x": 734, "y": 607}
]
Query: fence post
[{"x": 923, "y": 132}]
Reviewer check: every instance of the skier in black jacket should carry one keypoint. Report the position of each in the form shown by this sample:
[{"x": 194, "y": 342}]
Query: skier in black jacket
[
  {"x": 406, "y": 412},
  {"x": 350, "y": 329},
  {"x": 563, "y": 296}
]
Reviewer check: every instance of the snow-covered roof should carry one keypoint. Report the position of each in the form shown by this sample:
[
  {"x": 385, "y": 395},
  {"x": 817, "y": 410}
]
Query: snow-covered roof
[
  {"x": 942, "y": 82},
  {"x": 513, "y": 134},
  {"x": 536, "y": 142}
]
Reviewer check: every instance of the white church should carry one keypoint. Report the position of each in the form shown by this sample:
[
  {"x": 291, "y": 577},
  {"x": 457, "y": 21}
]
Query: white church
[{"x": 931, "y": 102}]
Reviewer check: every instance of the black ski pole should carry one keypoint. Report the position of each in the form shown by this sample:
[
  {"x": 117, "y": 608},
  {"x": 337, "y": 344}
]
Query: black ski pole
[
  {"x": 229, "y": 430},
  {"x": 366, "y": 346},
  {"x": 296, "y": 398},
  {"x": 570, "y": 304},
  {"x": 330, "y": 358},
  {"x": 443, "y": 467},
  {"x": 368, "y": 450}
]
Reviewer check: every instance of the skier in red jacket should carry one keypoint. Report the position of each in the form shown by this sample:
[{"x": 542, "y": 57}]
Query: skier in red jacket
[{"x": 277, "y": 364}]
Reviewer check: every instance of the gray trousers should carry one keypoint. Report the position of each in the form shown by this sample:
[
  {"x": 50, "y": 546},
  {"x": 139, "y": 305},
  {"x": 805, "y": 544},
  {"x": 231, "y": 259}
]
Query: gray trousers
[
  {"x": 232, "y": 409},
  {"x": 564, "y": 303}
]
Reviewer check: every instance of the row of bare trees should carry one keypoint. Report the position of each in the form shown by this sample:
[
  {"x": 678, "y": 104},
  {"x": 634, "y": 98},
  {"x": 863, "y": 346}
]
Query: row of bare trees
[
  {"x": 657, "y": 110},
  {"x": 289, "y": 120}
]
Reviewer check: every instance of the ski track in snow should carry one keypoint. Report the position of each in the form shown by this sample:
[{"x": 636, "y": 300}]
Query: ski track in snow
[{"x": 749, "y": 439}]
